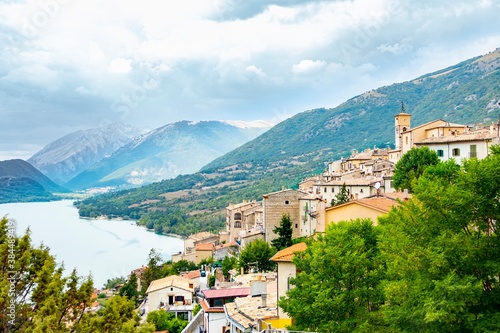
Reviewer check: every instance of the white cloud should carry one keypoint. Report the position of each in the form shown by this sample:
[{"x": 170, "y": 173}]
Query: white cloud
[
  {"x": 308, "y": 66},
  {"x": 221, "y": 59},
  {"x": 120, "y": 66},
  {"x": 255, "y": 70}
]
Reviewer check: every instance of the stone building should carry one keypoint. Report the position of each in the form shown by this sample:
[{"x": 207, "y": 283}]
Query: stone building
[{"x": 277, "y": 204}]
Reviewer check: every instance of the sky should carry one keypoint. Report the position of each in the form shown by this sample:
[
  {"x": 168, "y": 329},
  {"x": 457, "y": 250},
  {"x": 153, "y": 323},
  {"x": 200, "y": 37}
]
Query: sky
[{"x": 67, "y": 65}]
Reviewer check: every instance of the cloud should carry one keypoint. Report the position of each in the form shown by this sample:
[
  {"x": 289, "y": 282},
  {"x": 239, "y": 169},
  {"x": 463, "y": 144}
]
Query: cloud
[
  {"x": 68, "y": 64},
  {"x": 308, "y": 66},
  {"x": 120, "y": 66}
]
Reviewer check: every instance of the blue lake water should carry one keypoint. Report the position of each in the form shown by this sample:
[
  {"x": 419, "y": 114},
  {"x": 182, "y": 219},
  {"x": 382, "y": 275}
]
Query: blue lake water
[{"x": 104, "y": 248}]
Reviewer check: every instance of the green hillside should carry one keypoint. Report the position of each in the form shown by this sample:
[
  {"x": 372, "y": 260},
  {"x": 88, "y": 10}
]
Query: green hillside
[
  {"x": 300, "y": 146},
  {"x": 23, "y": 190}
]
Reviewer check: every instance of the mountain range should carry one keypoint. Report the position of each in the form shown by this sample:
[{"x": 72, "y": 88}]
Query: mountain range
[
  {"x": 72, "y": 154},
  {"x": 166, "y": 152},
  {"x": 301, "y": 145}
]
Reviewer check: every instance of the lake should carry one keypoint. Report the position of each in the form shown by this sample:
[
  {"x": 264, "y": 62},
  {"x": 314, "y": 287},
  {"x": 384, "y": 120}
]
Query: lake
[{"x": 104, "y": 248}]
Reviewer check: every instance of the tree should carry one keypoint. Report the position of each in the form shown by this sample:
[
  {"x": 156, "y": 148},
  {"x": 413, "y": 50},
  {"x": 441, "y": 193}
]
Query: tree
[
  {"x": 118, "y": 315},
  {"x": 257, "y": 254},
  {"x": 129, "y": 289},
  {"x": 338, "y": 287},
  {"x": 442, "y": 248},
  {"x": 284, "y": 232},
  {"x": 228, "y": 263},
  {"x": 112, "y": 283},
  {"x": 341, "y": 197},
  {"x": 411, "y": 166},
  {"x": 34, "y": 294},
  {"x": 153, "y": 271},
  {"x": 166, "y": 321}
]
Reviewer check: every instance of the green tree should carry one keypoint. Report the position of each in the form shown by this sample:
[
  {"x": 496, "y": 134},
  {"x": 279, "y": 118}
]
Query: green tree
[
  {"x": 118, "y": 315},
  {"x": 284, "y": 232},
  {"x": 166, "y": 321},
  {"x": 228, "y": 263},
  {"x": 34, "y": 294},
  {"x": 411, "y": 166},
  {"x": 129, "y": 289},
  {"x": 442, "y": 249},
  {"x": 257, "y": 254},
  {"x": 338, "y": 288},
  {"x": 153, "y": 271},
  {"x": 341, "y": 197},
  {"x": 112, "y": 283}
]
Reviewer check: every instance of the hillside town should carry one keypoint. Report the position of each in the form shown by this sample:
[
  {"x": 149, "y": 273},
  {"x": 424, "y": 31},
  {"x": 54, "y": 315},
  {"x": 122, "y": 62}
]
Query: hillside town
[{"x": 356, "y": 187}]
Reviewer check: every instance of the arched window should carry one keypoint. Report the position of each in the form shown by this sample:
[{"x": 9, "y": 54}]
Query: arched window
[{"x": 237, "y": 216}]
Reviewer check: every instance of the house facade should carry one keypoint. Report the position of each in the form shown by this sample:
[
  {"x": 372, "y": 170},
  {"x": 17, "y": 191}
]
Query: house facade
[
  {"x": 286, "y": 271},
  {"x": 470, "y": 144},
  {"x": 242, "y": 216},
  {"x": 277, "y": 204},
  {"x": 172, "y": 293}
]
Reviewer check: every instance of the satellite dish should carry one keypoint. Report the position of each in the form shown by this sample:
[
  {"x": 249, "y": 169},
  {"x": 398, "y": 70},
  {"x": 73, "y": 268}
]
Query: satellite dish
[{"x": 377, "y": 185}]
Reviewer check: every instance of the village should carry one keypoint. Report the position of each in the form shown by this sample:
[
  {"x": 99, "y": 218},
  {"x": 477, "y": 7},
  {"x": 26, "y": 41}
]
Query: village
[{"x": 249, "y": 302}]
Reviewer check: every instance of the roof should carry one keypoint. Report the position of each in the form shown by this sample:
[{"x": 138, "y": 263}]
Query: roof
[
  {"x": 247, "y": 310},
  {"x": 380, "y": 203},
  {"x": 191, "y": 274},
  {"x": 243, "y": 204},
  {"x": 170, "y": 281},
  {"x": 205, "y": 247},
  {"x": 202, "y": 235},
  {"x": 354, "y": 181},
  {"x": 286, "y": 255},
  {"x": 206, "y": 307},
  {"x": 226, "y": 245},
  {"x": 423, "y": 125},
  {"x": 479, "y": 135},
  {"x": 225, "y": 293},
  {"x": 282, "y": 191}
]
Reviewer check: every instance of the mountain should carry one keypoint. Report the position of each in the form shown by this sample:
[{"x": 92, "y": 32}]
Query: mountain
[
  {"x": 300, "y": 146},
  {"x": 178, "y": 148},
  {"x": 465, "y": 93},
  {"x": 68, "y": 156},
  {"x": 21, "y": 182}
]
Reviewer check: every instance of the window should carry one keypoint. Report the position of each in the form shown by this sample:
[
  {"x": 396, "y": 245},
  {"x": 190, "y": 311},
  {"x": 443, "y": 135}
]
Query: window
[
  {"x": 296, "y": 225},
  {"x": 287, "y": 202},
  {"x": 455, "y": 152},
  {"x": 237, "y": 216},
  {"x": 361, "y": 191},
  {"x": 324, "y": 190},
  {"x": 473, "y": 151},
  {"x": 333, "y": 190},
  {"x": 440, "y": 152},
  {"x": 237, "y": 224},
  {"x": 406, "y": 138}
]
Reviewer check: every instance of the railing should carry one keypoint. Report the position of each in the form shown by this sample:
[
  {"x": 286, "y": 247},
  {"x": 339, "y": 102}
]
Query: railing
[{"x": 195, "y": 325}]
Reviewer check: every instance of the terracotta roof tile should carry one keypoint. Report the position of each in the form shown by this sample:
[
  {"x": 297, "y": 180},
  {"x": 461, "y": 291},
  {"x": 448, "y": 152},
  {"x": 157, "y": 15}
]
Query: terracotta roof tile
[
  {"x": 204, "y": 247},
  {"x": 286, "y": 255}
]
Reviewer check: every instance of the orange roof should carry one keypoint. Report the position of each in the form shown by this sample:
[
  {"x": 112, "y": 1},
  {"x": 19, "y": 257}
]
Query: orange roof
[
  {"x": 192, "y": 274},
  {"x": 204, "y": 247},
  {"x": 286, "y": 255}
]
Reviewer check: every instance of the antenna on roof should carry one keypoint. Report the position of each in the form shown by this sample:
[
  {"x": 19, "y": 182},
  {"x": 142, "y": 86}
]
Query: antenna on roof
[{"x": 402, "y": 107}]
